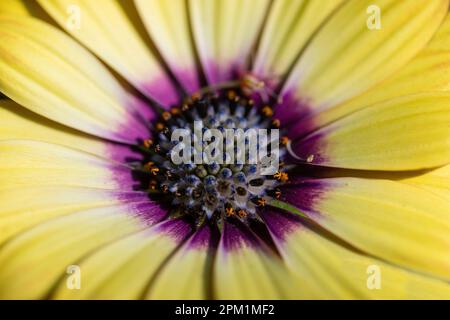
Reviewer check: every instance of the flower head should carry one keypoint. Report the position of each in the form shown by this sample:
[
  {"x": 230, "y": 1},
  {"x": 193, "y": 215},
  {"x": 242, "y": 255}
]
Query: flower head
[{"x": 94, "y": 205}]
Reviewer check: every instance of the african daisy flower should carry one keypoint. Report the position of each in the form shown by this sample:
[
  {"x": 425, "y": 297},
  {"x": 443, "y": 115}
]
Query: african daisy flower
[{"x": 92, "y": 91}]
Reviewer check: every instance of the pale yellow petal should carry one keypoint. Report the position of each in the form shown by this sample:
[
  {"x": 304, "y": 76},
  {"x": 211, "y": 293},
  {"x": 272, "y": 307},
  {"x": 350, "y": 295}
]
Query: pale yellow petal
[
  {"x": 31, "y": 263},
  {"x": 289, "y": 27},
  {"x": 19, "y": 123},
  {"x": 49, "y": 73},
  {"x": 107, "y": 29},
  {"x": 123, "y": 269},
  {"x": 244, "y": 268},
  {"x": 167, "y": 23},
  {"x": 408, "y": 133},
  {"x": 224, "y": 33},
  {"x": 336, "y": 272},
  {"x": 25, "y": 207},
  {"x": 33, "y": 163},
  {"x": 347, "y": 57},
  {"x": 25, "y": 8},
  {"x": 187, "y": 274},
  {"x": 427, "y": 72},
  {"x": 436, "y": 181},
  {"x": 402, "y": 224}
]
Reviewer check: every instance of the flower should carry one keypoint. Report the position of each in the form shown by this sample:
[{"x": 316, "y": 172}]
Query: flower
[{"x": 93, "y": 208}]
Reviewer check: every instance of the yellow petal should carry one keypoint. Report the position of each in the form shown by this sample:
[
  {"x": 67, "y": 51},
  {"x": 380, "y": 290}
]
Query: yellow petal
[
  {"x": 33, "y": 163},
  {"x": 19, "y": 123},
  {"x": 394, "y": 221},
  {"x": 40, "y": 180},
  {"x": 106, "y": 28},
  {"x": 31, "y": 263},
  {"x": 186, "y": 274},
  {"x": 47, "y": 72},
  {"x": 289, "y": 27},
  {"x": 27, "y": 206},
  {"x": 25, "y": 8},
  {"x": 347, "y": 57},
  {"x": 336, "y": 272},
  {"x": 436, "y": 181},
  {"x": 123, "y": 269},
  {"x": 427, "y": 72},
  {"x": 245, "y": 269},
  {"x": 167, "y": 22},
  {"x": 224, "y": 33},
  {"x": 407, "y": 133}
]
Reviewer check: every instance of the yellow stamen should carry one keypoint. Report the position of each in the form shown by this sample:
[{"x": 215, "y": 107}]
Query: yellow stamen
[
  {"x": 250, "y": 83},
  {"x": 261, "y": 202},
  {"x": 148, "y": 143},
  {"x": 175, "y": 111},
  {"x": 229, "y": 211},
  {"x": 166, "y": 115},
  {"x": 281, "y": 176},
  {"x": 276, "y": 123},
  {"x": 242, "y": 213},
  {"x": 231, "y": 95},
  {"x": 267, "y": 111},
  {"x": 148, "y": 165},
  {"x": 159, "y": 126}
]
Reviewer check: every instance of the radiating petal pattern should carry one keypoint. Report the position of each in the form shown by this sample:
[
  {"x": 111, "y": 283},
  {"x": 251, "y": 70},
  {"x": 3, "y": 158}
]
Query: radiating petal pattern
[
  {"x": 25, "y": 274},
  {"x": 168, "y": 24},
  {"x": 402, "y": 224},
  {"x": 105, "y": 28},
  {"x": 123, "y": 269},
  {"x": 427, "y": 72},
  {"x": 27, "y": 206},
  {"x": 224, "y": 33},
  {"x": 244, "y": 268},
  {"x": 289, "y": 27},
  {"x": 346, "y": 57},
  {"x": 39, "y": 181},
  {"x": 90, "y": 92},
  {"x": 62, "y": 81},
  {"x": 436, "y": 181},
  {"x": 24, "y": 8},
  {"x": 344, "y": 273},
  {"x": 407, "y": 133},
  {"x": 33, "y": 163},
  {"x": 187, "y": 274},
  {"x": 18, "y": 123}
]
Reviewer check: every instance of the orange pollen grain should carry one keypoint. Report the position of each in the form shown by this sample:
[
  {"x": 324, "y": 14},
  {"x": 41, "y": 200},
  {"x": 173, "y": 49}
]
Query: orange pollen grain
[
  {"x": 159, "y": 126},
  {"x": 175, "y": 111},
  {"x": 242, "y": 213},
  {"x": 230, "y": 211},
  {"x": 148, "y": 143},
  {"x": 267, "y": 111},
  {"x": 166, "y": 115},
  {"x": 281, "y": 176},
  {"x": 261, "y": 202}
]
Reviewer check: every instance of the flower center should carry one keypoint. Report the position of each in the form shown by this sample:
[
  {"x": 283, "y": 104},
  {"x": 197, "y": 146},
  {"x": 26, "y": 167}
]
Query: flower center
[{"x": 217, "y": 179}]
